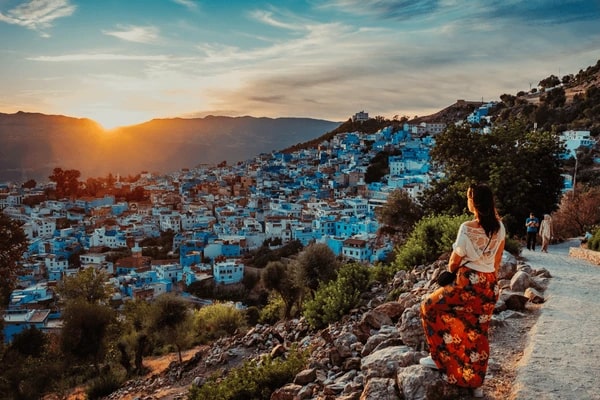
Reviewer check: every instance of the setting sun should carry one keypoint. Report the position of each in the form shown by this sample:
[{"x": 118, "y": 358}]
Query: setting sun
[{"x": 111, "y": 119}]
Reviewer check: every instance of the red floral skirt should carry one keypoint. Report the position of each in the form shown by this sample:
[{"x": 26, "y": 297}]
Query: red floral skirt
[{"x": 456, "y": 319}]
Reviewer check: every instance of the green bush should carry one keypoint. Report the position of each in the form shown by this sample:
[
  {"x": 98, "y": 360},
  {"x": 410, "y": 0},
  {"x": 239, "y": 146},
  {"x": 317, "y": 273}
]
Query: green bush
[
  {"x": 274, "y": 310},
  {"x": 431, "y": 237},
  {"x": 513, "y": 246},
  {"x": 104, "y": 385},
  {"x": 253, "y": 380},
  {"x": 334, "y": 299},
  {"x": 218, "y": 320}
]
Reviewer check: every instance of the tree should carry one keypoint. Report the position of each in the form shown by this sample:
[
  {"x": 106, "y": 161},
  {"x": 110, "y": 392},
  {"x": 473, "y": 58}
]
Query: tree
[
  {"x": 13, "y": 244},
  {"x": 279, "y": 277},
  {"x": 399, "y": 214},
  {"x": 315, "y": 264},
  {"x": 67, "y": 182},
  {"x": 85, "y": 327},
  {"x": 88, "y": 285},
  {"x": 578, "y": 212},
  {"x": 170, "y": 320},
  {"x": 336, "y": 298},
  {"x": 30, "y": 184},
  {"x": 549, "y": 82},
  {"x": 135, "y": 334},
  {"x": 522, "y": 167}
]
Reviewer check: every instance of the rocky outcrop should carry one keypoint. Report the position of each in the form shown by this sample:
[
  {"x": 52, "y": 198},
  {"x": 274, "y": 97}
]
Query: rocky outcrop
[{"x": 373, "y": 353}]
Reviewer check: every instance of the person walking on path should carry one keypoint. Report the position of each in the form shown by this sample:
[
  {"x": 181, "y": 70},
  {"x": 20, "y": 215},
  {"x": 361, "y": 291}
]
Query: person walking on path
[
  {"x": 532, "y": 224},
  {"x": 546, "y": 232},
  {"x": 562, "y": 358}
]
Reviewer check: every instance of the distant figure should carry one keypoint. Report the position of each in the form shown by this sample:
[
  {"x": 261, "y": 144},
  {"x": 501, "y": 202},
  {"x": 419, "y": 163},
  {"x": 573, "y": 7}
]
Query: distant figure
[
  {"x": 546, "y": 232},
  {"x": 456, "y": 317},
  {"x": 532, "y": 224},
  {"x": 586, "y": 237}
]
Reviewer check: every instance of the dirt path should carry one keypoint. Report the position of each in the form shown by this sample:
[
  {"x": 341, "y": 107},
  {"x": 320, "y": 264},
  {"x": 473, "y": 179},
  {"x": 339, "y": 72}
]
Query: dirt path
[{"x": 561, "y": 360}]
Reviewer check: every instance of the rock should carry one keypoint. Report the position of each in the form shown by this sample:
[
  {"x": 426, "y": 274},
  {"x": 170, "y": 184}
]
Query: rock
[
  {"x": 385, "y": 362},
  {"x": 421, "y": 383},
  {"x": 520, "y": 281},
  {"x": 514, "y": 301},
  {"x": 534, "y": 296},
  {"x": 306, "y": 376},
  {"x": 380, "y": 389},
  {"x": 393, "y": 309},
  {"x": 288, "y": 392}
]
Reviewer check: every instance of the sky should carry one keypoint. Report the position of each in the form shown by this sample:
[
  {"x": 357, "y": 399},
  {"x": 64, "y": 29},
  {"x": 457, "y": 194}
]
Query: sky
[{"x": 123, "y": 62}]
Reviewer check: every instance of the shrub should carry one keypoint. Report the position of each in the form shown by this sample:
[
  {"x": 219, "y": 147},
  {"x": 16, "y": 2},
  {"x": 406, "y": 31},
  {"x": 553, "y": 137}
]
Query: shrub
[
  {"x": 334, "y": 299},
  {"x": 218, "y": 320},
  {"x": 104, "y": 385},
  {"x": 253, "y": 380},
  {"x": 431, "y": 237},
  {"x": 274, "y": 310},
  {"x": 513, "y": 246},
  {"x": 252, "y": 315}
]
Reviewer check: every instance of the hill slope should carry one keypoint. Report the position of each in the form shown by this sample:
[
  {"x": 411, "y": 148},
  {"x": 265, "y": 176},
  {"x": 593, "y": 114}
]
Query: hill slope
[{"x": 31, "y": 145}]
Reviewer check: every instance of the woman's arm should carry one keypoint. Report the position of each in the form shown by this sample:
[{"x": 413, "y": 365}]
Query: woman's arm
[
  {"x": 454, "y": 262},
  {"x": 498, "y": 257}
]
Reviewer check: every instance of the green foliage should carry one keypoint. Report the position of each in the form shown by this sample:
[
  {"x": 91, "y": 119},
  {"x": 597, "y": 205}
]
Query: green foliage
[
  {"x": 217, "y": 320},
  {"x": 399, "y": 214},
  {"x": 334, "y": 299},
  {"x": 281, "y": 278},
  {"x": 13, "y": 243},
  {"x": 104, "y": 385},
  {"x": 262, "y": 256},
  {"x": 88, "y": 284},
  {"x": 30, "y": 342},
  {"x": 171, "y": 322},
  {"x": 431, "y": 237},
  {"x": 521, "y": 165},
  {"x": 316, "y": 264},
  {"x": 274, "y": 310},
  {"x": 252, "y": 315},
  {"x": 513, "y": 246},
  {"x": 379, "y": 166},
  {"x": 85, "y": 328},
  {"x": 253, "y": 380}
]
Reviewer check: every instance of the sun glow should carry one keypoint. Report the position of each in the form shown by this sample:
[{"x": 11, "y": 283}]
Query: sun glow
[{"x": 111, "y": 119}]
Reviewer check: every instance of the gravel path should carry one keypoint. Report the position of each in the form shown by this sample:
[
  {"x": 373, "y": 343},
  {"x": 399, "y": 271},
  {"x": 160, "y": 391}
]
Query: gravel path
[{"x": 562, "y": 358}]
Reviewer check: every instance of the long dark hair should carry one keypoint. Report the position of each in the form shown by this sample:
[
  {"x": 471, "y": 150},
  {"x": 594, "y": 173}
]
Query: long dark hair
[{"x": 485, "y": 209}]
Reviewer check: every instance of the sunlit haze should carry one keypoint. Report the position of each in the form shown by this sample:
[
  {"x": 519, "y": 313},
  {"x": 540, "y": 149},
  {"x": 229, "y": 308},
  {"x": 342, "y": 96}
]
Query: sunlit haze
[{"x": 126, "y": 62}]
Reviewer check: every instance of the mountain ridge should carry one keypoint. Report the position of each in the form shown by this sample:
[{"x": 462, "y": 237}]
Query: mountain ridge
[{"x": 32, "y": 144}]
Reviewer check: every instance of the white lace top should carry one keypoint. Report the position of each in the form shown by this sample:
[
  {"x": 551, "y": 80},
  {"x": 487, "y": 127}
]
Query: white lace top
[{"x": 470, "y": 244}]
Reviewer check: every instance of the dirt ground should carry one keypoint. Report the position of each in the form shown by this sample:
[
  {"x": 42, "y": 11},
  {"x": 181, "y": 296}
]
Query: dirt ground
[{"x": 507, "y": 345}]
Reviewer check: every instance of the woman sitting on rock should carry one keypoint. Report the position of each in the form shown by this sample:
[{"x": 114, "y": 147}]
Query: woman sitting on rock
[{"x": 456, "y": 317}]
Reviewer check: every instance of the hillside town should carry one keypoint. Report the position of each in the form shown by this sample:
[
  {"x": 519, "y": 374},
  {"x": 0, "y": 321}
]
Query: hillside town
[{"x": 219, "y": 213}]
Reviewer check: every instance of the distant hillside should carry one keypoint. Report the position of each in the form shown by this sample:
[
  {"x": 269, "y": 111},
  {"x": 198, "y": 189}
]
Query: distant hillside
[{"x": 31, "y": 144}]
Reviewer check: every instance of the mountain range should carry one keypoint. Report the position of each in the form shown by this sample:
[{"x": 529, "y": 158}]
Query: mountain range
[{"x": 33, "y": 144}]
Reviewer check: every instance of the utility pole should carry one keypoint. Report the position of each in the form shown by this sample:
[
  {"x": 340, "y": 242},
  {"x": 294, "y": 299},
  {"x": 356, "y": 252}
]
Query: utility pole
[{"x": 575, "y": 174}]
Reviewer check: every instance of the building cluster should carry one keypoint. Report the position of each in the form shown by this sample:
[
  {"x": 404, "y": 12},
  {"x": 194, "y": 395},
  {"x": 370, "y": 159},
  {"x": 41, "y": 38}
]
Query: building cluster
[{"x": 217, "y": 214}]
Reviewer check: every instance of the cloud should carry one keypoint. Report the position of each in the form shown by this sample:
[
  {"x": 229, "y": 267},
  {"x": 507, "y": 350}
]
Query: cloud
[
  {"x": 388, "y": 9},
  {"x": 189, "y": 4},
  {"x": 137, "y": 34},
  {"x": 38, "y": 15},
  {"x": 267, "y": 18},
  {"x": 99, "y": 57}
]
